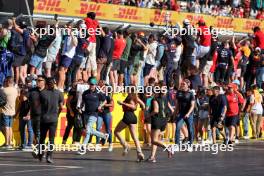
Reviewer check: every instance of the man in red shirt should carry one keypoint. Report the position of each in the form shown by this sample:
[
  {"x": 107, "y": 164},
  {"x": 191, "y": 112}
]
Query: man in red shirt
[
  {"x": 93, "y": 29},
  {"x": 204, "y": 38},
  {"x": 119, "y": 46},
  {"x": 259, "y": 38},
  {"x": 234, "y": 98}
]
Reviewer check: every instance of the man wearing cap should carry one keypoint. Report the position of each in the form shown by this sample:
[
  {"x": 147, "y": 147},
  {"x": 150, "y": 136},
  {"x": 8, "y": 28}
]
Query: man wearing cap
[
  {"x": 93, "y": 102},
  {"x": 234, "y": 99},
  {"x": 204, "y": 40},
  {"x": 51, "y": 102}
]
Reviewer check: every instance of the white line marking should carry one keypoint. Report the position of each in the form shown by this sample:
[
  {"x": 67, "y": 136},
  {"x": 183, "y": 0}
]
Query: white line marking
[
  {"x": 256, "y": 149},
  {"x": 25, "y": 165},
  {"x": 24, "y": 171}
]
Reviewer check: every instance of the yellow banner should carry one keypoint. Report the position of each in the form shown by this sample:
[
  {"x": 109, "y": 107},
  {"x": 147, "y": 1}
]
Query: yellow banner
[{"x": 79, "y": 8}]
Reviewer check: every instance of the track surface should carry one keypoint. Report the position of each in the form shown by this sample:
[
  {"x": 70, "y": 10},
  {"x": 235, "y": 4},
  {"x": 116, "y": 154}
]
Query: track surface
[{"x": 247, "y": 159}]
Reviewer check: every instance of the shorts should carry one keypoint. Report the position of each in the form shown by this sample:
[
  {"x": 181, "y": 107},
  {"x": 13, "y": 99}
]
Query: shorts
[
  {"x": 147, "y": 69},
  {"x": 202, "y": 51},
  {"x": 203, "y": 114},
  {"x": 123, "y": 66},
  {"x": 207, "y": 67},
  {"x": 91, "y": 60},
  {"x": 231, "y": 121},
  {"x": 65, "y": 61},
  {"x": 129, "y": 118},
  {"x": 213, "y": 122},
  {"x": 47, "y": 64},
  {"x": 116, "y": 65},
  {"x": 158, "y": 123},
  {"x": 18, "y": 60},
  {"x": 36, "y": 61},
  {"x": 170, "y": 118},
  {"x": 83, "y": 64},
  {"x": 148, "y": 119},
  {"x": 7, "y": 121}
]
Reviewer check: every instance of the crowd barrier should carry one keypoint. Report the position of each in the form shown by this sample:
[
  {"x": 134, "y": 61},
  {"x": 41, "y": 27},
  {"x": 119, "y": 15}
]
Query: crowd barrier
[
  {"x": 117, "y": 115},
  {"x": 128, "y": 14}
]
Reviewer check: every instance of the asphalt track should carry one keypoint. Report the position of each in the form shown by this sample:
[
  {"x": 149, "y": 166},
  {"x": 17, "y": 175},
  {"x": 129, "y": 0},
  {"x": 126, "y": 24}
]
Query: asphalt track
[{"x": 247, "y": 159}]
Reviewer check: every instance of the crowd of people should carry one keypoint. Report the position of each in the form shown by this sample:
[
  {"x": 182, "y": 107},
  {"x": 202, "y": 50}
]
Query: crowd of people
[
  {"x": 211, "y": 85},
  {"x": 231, "y": 8}
]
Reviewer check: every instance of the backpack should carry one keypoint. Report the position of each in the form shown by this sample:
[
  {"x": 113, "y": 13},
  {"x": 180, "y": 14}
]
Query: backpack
[
  {"x": 16, "y": 43},
  {"x": 3, "y": 98}
]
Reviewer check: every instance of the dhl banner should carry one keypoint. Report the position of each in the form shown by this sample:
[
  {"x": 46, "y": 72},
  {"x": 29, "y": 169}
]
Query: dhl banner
[{"x": 128, "y": 14}]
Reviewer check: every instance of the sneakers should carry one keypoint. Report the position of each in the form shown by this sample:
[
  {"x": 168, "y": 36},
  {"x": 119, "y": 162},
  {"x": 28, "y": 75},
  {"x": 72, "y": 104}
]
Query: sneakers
[
  {"x": 236, "y": 141},
  {"x": 246, "y": 137},
  {"x": 98, "y": 147},
  {"x": 189, "y": 149},
  {"x": 151, "y": 160},
  {"x": 110, "y": 148}
]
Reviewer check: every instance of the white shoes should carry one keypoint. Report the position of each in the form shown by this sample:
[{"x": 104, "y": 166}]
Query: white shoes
[{"x": 110, "y": 148}]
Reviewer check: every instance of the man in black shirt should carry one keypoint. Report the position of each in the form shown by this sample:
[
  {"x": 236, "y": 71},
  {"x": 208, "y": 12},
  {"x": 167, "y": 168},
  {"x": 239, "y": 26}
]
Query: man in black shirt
[
  {"x": 184, "y": 104},
  {"x": 35, "y": 108},
  {"x": 51, "y": 101},
  {"x": 217, "y": 111},
  {"x": 225, "y": 61},
  {"x": 92, "y": 103}
]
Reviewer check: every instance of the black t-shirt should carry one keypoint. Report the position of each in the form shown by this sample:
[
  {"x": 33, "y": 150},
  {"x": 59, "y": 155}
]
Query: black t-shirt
[
  {"x": 74, "y": 100},
  {"x": 163, "y": 106},
  {"x": 43, "y": 44},
  {"x": 92, "y": 101},
  {"x": 50, "y": 101},
  {"x": 24, "y": 109},
  {"x": 106, "y": 110},
  {"x": 224, "y": 56},
  {"x": 34, "y": 102},
  {"x": 217, "y": 103},
  {"x": 184, "y": 101}
]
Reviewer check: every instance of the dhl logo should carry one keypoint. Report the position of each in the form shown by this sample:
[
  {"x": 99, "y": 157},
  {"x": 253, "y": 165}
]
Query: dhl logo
[
  {"x": 194, "y": 19},
  {"x": 50, "y": 6},
  {"x": 160, "y": 17},
  {"x": 251, "y": 24},
  {"x": 224, "y": 23},
  {"x": 127, "y": 13},
  {"x": 85, "y": 7}
]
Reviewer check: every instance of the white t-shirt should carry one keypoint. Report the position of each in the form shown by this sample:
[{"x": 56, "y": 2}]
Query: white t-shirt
[
  {"x": 80, "y": 89},
  {"x": 68, "y": 47},
  {"x": 257, "y": 107},
  {"x": 151, "y": 54}
]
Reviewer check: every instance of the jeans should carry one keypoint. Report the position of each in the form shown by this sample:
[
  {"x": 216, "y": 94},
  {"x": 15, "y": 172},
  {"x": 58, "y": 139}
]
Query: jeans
[
  {"x": 107, "y": 119},
  {"x": 91, "y": 120},
  {"x": 245, "y": 124},
  {"x": 179, "y": 122},
  {"x": 128, "y": 71},
  {"x": 36, "y": 129},
  {"x": 140, "y": 73},
  {"x": 260, "y": 76},
  {"x": 22, "y": 125},
  {"x": 72, "y": 70}
]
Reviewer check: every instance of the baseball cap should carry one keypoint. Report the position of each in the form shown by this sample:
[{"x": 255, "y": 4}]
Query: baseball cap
[
  {"x": 257, "y": 49},
  {"x": 236, "y": 82},
  {"x": 201, "y": 21},
  {"x": 93, "y": 81},
  {"x": 186, "y": 22}
]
